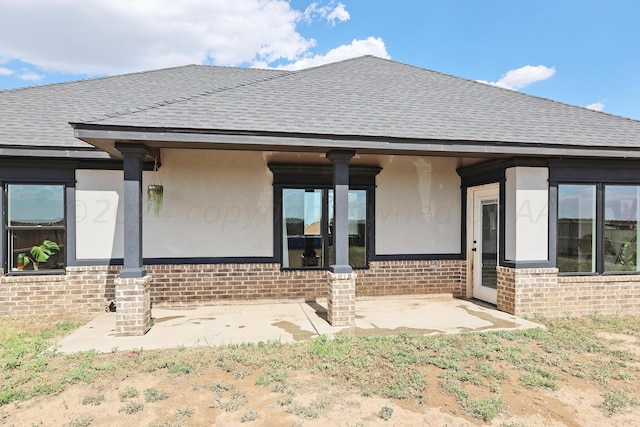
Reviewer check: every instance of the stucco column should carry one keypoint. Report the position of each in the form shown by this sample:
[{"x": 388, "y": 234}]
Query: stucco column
[
  {"x": 132, "y": 155},
  {"x": 341, "y": 307}
]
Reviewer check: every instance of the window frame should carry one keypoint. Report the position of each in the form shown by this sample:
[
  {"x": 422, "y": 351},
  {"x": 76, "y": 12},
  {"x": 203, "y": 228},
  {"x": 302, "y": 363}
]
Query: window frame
[
  {"x": 599, "y": 219},
  {"x": 320, "y": 177},
  {"x": 6, "y": 228}
]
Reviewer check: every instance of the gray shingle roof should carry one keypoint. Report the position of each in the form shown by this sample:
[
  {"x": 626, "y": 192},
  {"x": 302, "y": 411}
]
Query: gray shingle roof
[
  {"x": 376, "y": 98},
  {"x": 39, "y": 116},
  {"x": 358, "y": 99}
]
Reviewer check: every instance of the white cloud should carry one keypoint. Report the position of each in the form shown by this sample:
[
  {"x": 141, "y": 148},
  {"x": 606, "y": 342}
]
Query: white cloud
[
  {"x": 5, "y": 71},
  {"x": 330, "y": 12},
  {"x": 30, "y": 75},
  {"x": 338, "y": 14},
  {"x": 524, "y": 76},
  {"x": 596, "y": 106},
  {"x": 114, "y": 36},
  {"x": 370, "y": 46}
]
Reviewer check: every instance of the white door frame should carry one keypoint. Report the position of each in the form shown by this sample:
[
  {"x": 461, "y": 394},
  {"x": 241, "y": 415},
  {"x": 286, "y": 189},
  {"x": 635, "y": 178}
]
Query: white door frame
[{"x": 475, "y": 197}]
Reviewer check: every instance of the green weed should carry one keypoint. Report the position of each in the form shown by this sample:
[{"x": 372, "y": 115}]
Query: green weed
[
  {"x": 153, "y": 395},
  {"x": 184, "y": 412},
  {"x": 128, "y": 393},
  {"x": 131, "y": 407},
  {"x": 616, "y": 400},
  {"x": 250, "y": 415},
  {"x": 385, "y": 413},
  {"x": 83, "y": 421},
  {"x": 534, "y": 380},
  {"x": 484, "y": 409},
  {"x": 93, "y": 399},
  {"x": 221, "y": 388}
]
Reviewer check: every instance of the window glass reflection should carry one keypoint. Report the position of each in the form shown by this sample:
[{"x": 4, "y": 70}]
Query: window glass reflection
[{"x": 576, "y": 228}]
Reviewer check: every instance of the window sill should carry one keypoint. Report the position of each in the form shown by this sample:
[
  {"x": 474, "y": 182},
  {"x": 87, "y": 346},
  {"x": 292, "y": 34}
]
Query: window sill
[
  {"x": 606, "y": 274},
  {"x": 23, "y": 273},
  {"x": 318, "y": 269}
]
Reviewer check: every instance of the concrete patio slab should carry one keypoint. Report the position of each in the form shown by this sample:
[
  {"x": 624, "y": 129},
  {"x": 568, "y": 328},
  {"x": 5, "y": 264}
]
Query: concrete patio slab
[{"x": 290, "y": 322}]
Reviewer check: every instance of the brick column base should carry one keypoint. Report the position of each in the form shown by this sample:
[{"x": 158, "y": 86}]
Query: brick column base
[
  {"x": 133, "y": 306},
  {"x": 341, "y": 301}
]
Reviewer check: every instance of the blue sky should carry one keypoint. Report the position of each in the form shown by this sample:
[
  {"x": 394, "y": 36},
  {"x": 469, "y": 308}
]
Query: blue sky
[{"x": 582, "y": 52}]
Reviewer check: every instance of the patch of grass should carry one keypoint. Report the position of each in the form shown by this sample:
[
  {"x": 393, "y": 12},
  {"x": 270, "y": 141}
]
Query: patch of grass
[
  {"x": 312, "y": 410},
  {"x": 534, "y": 380},
  {"x": 131, "y": 407},
  {"x": 237, "y": 401},
  {"x": 240, "y": 374},
  {"x": 487, "y": 370},
  {"x": 179, "y": 366},
  {"x": 83, "y": 421},
  {"x": 450, "y": 384},
  {"x": 184, "y": 412},
  {"x": 220, "y": 388},
  {"x": 128, "y": 393},
  {"x": 93, "y": 399},
  {"x": 272, "y": 376},
  {"x": 250, "y": 415},
  {"x": 153, "y": 395},
  {"x": 309, "y": 411},
  {"x": 385, "y": 413},
  {"x": 617, "y": 400},
  {"x": 473, "y": 365},
  {"x": 484, "y": 409}
]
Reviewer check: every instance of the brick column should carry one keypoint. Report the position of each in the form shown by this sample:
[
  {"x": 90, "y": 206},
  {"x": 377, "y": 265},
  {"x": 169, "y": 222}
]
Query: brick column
[
  {"x": 133, "y": 306},
  {"x": 341, "y": 300}
]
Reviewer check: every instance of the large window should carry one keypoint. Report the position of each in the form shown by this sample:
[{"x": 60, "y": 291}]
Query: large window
[
  {"x": 307, "y": 225},
  {"x": 35, "y": 225},
  {"x": 303, "y": 215},
  {"x": 597, "y": 228}
]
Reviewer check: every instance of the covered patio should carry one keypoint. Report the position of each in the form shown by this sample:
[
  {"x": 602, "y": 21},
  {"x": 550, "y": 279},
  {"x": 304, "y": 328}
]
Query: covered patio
[{"x": 291, "y": 322}]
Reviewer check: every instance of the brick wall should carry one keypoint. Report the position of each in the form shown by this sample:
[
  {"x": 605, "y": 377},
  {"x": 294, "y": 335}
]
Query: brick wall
[
  {"x": 412, "y": 278},
  {"x": 201, "y": 284},
  {"x": 90, "y": 289},
  {"x": 529, "y": 292},
  {"x": 523, "y": 292},
  {"x": 82, "y": 289},
  {"x": 205, "y": 283},
  {"x": 506, "y": 281}
]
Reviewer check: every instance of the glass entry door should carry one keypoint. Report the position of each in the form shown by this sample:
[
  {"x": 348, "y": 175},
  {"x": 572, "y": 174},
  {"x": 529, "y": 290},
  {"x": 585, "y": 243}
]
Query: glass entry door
[{"x": 485, "y": 244}]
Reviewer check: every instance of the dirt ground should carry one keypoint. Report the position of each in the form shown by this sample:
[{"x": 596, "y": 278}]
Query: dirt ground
[
  {"x": 210, "y": 396},
  {"x": 314, "y": 401}
]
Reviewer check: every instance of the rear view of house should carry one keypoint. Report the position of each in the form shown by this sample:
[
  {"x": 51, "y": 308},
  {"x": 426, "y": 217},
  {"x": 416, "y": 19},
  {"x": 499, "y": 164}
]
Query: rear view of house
[{"x": 361, "y": 178}]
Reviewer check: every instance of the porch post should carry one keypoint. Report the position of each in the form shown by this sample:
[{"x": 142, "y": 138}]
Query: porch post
[
  {"x": 133, "y": 300},
  {"x": 342, "y": 280},
  {"x": 132, "y": 156}
]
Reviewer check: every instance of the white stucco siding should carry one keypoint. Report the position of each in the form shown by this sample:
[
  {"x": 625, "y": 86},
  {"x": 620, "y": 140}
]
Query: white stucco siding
[
  {"x": 418, "y": 206},
  {"x": 99, "y": 214},
  {"x": 216, "y": 204},
  {"x": 526, "y": 214}
]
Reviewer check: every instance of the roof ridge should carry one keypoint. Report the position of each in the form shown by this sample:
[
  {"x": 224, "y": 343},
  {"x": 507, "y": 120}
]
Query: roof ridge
[
  {"x": 329, "y": 64},
  {"x": 161, "y": 103},
  {"x": 92, "y": 79}
]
